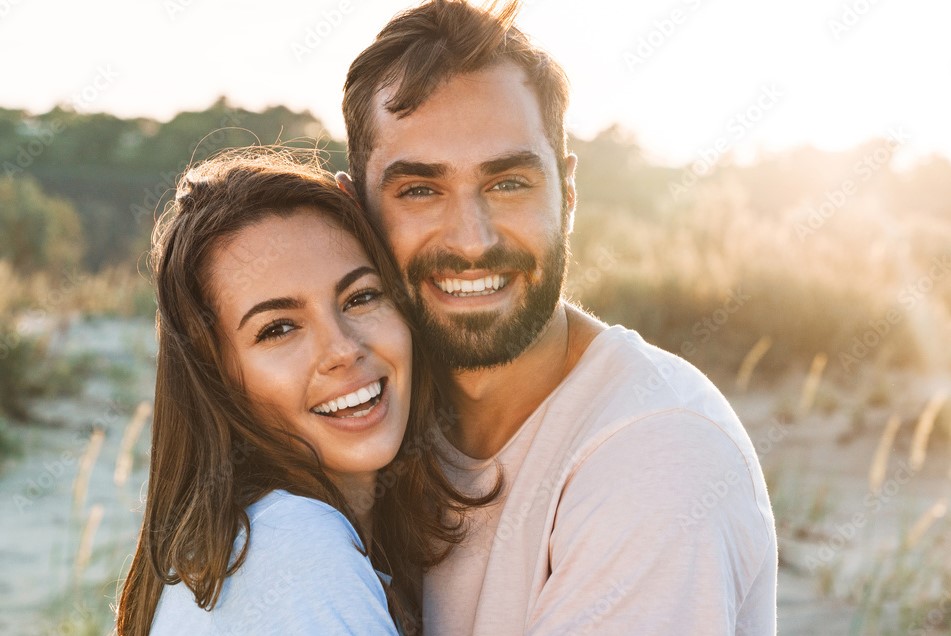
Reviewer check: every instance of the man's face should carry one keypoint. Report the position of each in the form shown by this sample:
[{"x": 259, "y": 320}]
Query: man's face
[{"x": 467, "y": 188}]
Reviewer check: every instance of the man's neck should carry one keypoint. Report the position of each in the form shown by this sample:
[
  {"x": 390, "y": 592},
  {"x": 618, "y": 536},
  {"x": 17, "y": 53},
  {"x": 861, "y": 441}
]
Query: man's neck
[{"x": 492, "y": 404}]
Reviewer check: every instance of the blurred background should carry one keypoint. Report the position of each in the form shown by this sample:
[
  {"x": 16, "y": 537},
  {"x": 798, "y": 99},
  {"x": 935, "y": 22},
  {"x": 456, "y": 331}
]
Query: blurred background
[{"x": 764, "y": 189}]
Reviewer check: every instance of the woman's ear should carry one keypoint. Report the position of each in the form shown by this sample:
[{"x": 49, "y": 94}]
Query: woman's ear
[{"x": 345, "y": 183}]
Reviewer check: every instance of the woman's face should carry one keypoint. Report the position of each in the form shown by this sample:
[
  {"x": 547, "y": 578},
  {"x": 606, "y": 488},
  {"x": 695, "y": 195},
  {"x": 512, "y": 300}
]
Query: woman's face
[{"x": 314, "y": 338}]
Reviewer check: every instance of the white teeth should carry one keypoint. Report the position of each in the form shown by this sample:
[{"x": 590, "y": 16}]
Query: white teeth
[
  {"x": 360, "y": 396},
  {"x": 478, "y": 287}
]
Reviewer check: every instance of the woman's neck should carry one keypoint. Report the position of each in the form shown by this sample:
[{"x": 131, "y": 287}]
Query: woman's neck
[{"x": 357, "y": 490}]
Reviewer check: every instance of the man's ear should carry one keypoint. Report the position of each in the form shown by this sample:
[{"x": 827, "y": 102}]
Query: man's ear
[
  {"x": 345, "y": 183},
  {"x": 571, "y": 195}
]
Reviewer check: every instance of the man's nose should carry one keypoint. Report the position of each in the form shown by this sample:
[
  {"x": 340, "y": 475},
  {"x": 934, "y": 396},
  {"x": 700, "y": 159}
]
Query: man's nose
[{"x": 469, "y": 228}]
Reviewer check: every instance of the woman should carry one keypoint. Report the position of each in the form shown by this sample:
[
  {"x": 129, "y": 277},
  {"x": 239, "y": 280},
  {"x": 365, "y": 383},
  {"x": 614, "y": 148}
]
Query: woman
[{"x": 287, "y": 377}]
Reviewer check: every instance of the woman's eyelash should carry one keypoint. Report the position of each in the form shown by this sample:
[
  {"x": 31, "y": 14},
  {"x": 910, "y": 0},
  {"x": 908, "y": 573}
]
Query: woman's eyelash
[
  {"x": 274, "y": 330},
  {"x": 363, "y": 297}
]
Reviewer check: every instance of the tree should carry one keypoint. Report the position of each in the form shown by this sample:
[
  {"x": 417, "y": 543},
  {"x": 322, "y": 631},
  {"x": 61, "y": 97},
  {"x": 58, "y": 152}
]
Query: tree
[{"x": 37, "y": 232}]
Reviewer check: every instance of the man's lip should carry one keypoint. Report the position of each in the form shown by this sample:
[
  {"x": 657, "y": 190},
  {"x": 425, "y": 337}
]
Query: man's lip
[
  {"x": 475, "y": 301},
  {"x": 473, "y": 274}
]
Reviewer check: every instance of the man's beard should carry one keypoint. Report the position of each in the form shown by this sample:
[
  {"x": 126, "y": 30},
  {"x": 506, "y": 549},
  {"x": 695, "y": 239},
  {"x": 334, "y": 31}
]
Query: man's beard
[{"x": 480, "y": 340}]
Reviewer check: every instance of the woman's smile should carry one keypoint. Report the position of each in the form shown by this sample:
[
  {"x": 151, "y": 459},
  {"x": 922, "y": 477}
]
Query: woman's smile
[{"x": 315, "y": 340}]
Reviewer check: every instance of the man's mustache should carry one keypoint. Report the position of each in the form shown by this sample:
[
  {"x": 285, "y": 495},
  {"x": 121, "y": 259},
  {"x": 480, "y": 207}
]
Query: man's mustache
[{"x": 496, "y": 258}]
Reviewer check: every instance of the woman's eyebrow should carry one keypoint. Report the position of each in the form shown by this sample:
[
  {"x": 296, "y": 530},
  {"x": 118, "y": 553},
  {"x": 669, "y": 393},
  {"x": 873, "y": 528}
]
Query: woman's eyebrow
[
  {"x": 286, "y": 302},
  {"x": 269, "y": 305},
  {"x": 350, "y": 277}
]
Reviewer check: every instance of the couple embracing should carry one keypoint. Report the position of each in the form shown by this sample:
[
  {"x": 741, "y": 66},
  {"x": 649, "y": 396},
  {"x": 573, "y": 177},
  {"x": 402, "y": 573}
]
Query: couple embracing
[{"x": 374, "y": 412}]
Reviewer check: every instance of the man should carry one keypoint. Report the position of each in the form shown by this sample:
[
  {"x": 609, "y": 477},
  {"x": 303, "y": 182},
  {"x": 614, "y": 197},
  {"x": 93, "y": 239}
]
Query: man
[{"x": 633, "y": 500}]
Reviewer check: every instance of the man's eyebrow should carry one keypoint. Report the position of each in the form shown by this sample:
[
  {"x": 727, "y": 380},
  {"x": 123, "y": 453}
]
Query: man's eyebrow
[
  {"x": 270, "y": 305},
  {"x": 399, "y": 169},
  {"x": 524, "y": 159}
]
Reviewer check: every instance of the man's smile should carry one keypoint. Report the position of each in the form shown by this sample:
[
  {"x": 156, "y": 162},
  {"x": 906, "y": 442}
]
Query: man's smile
[{"x": 464, "y": 288}]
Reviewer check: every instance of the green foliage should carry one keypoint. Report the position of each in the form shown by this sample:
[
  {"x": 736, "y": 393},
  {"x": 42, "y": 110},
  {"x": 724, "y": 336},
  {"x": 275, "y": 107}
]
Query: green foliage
[
  {"x": 29, "y": 372},
  {"x": 660, "y": 249},
  {"x": 37, "y": 232},
  {"x": 10, "y": 445},
  {"x": 120, "y": 172}
]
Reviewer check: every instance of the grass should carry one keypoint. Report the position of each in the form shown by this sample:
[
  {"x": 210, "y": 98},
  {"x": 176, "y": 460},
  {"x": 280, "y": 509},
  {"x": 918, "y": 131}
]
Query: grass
[{"x": 672, "y": 278}]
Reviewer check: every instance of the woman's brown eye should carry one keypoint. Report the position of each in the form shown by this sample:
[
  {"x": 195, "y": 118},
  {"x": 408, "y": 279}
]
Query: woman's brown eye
[
  {"x": 274, "y": 330},
  {"x": 363, "y": 297}
]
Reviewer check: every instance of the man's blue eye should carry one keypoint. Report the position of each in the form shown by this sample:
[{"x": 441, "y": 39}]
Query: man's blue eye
[
  {"x": 509, "y": 185},
  {"x": 416, "y": 191}
]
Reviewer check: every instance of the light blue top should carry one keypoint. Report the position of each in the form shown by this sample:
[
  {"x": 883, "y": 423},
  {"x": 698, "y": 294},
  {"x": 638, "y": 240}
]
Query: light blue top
[{"x": 303, "y": 574}]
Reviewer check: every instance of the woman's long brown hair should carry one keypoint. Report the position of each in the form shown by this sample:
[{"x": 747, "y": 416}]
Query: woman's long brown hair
[{"x": 212, "y": 456}]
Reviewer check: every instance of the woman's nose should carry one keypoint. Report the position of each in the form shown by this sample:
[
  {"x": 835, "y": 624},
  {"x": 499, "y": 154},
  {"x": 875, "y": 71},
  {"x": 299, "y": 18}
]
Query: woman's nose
[{"x": 339, "y": 348}]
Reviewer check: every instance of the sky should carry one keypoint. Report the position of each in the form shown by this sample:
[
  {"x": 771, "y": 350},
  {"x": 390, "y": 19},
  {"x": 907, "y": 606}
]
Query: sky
[{"x": 687, "y": 79}]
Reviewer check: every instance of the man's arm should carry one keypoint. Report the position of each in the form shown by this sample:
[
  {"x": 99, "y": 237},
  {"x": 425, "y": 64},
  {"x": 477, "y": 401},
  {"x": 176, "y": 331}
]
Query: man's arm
[{"x": 662, "y": 529}]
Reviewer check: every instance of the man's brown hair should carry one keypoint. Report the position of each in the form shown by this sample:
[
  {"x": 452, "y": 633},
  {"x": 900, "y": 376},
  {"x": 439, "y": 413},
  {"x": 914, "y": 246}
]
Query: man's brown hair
[{"x": 425, "y": 46}]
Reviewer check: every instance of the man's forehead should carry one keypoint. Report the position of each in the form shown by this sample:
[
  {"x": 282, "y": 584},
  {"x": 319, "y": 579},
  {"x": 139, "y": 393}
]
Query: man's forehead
[
  {"x": 504, "y": 71},
  {"x": 489, "y": 113}
]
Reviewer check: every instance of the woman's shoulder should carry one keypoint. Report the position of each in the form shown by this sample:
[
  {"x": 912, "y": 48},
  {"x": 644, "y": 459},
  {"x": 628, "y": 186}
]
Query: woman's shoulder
[
  {"x": 304, "y": 572},
  {"x": 285, "y": 519}
]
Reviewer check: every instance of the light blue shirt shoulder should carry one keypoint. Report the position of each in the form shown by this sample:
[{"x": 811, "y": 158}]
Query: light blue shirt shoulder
[{"x": 304, "y": 573}]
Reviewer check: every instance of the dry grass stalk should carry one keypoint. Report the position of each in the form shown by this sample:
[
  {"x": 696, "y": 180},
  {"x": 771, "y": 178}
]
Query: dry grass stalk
[
  {"x": 937, "y": 510},
  {"x": 919, "y": 443},
  {"x": 876, "y": 474},
  {"x": 81, "y": 484},
  {"x": 811, "y": 385},
  {"x": 84, "y": 554},
  {"x": 750, "y": 361},
  {"x": 127, "y": 446}
]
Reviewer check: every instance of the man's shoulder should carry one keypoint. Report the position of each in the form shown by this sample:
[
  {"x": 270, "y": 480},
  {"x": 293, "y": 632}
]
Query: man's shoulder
[{"x": 622, "y": 371}]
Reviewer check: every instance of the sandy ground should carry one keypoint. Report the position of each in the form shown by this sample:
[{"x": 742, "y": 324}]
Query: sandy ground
[
  {"x": 817, "y": 466},
  {"x": 41, "y": 530}
]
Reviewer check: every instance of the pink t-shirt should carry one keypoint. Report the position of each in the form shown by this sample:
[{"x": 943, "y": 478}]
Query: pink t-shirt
[{"x": 634, "y": 504}]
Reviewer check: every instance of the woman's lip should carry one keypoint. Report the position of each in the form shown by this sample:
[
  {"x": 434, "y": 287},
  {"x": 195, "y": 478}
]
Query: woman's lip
[{"x": 357, "y": 424}]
